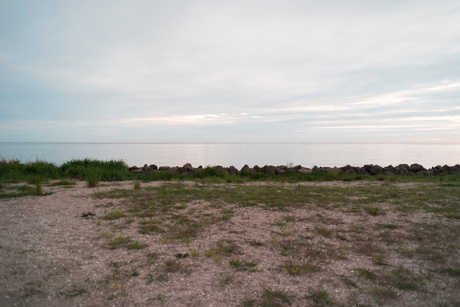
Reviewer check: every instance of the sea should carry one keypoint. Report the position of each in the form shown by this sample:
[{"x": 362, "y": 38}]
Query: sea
[{"x": 236, "y": 154}]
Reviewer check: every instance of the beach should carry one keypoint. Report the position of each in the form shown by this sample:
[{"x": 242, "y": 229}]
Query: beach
[{"x": 198, "y": 243}]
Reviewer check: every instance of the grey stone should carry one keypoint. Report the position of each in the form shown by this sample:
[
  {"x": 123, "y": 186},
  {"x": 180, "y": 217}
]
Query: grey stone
[{"x": 415, "y": 168}]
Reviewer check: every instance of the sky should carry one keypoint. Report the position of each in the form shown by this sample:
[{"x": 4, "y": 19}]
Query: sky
[{"x": 329, "y": 71}]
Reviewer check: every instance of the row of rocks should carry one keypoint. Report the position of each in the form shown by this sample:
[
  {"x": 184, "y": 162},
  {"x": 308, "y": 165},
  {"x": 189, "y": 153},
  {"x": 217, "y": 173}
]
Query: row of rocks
[{"x": 369, "y": 169}]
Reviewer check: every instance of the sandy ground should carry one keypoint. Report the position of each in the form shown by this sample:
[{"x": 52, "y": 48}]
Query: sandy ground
[{"x": 52, "y": 256}]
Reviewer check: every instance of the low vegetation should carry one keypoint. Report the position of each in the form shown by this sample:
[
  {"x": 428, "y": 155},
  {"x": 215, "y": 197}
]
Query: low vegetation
[
  {"x": 93, "y": 171},
  {"x": 272, "y": 242}
]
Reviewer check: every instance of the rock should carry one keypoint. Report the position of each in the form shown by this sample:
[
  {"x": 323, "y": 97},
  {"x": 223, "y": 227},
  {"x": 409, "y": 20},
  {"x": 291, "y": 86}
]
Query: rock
[
  {"x": 425, "y": 173},
  {"x": 402, "y": 169},
  {"x": 296, "y": 168},
  {"x": 221, "y": 168},
  {"x": 153, "y": 167},
  {"x": 334, "y": 169},
  {"x": 88, "y": 215},
  {"x": 376, "y": 170},
  {"x": 245, "y": 168},
  {"x": 304, "y": 170},
  {"x": 270, "y": 170},
  {"x": 389, "y": 169},
  {"x": 232, "y": 170},
  {"x": 186, "y": 169},
  {"x": 145, "y": 167},
  {"x": 350, "y": 171},
  {"x": 415, "y": 168},
  {"x": 456, "y": 169},
  {"x": 361, "y": 171},
  {"x": 136, "y": 169},
  {"x": 164, "y": 168},
  {"x": 257, "y": 168},
  {"x": 368, "y": 167}
]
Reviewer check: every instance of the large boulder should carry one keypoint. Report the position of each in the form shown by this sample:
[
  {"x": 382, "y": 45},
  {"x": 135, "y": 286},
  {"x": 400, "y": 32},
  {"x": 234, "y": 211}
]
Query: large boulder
[
  {"x": 415, "y": 168},
  {"x": 270, "y": 170},
  {"x": 187, "y": 168},
  {"x": 304, "y": 170},
  {"x": 245, "y": 168},
  {"x": 402, "y": 169},
  {"x": 368, "y": 167},
  {"x": 389, "y": 170},
  {"x": 425, "y": 173},
  {"x": 151, "y": 169},
  {"x": 361, "y": 171},
  {"x": 136, "y": 169},
  {"x": 376, "y": 170},
  {"x": 232, "y": 170},
  {"x": 296, "y": 168}
]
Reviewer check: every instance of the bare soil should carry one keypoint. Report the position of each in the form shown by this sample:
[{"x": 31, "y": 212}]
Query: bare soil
[{"x": 55, "y": 252}]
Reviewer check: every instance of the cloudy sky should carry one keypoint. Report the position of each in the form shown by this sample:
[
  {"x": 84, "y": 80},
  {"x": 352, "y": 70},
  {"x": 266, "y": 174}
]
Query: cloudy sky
[{"x": 230, "y": 71}]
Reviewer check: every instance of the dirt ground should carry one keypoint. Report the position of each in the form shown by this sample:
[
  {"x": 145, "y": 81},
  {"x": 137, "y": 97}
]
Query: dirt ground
[{"x": 51, "y": 255}]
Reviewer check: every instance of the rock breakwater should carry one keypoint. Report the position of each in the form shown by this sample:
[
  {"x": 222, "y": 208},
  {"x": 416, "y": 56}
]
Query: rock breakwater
[{"x": 368, "y": 169}]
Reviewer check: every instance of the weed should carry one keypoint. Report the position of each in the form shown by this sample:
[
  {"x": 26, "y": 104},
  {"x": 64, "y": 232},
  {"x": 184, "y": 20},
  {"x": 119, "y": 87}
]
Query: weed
[
  {"x": 323, "y": 231},
  {"x": 31, "y": 288},
  {"x": 73, "y": 292},
  {"x": 63, "y": 182},
  {"x": 388, "y": 226},
  {"x": 379, "y": 259},
  {"x": 159, "y": 297},
  {"x": 226, "y": 280},
  {"x": 349, "y": 282},
  {"x": 452, "y": 272},
  {"x": 125, "y": 242},
  {"x": 173, "y": 265},
  {"x": 256, "y": 243},
  {"x": 299, "y": 268},
  {"x": 114, "y": 215},
  {"x": 135, "y": 245},
  {"x": 243, "y": 265},
  {"x": 374, "y": 211},
  {"x": 137, "y": 185},
  {"x": 248, "y": 303},
  {"x": 320, "y": 297},
  {"x": 384, "y": 293},
  {"x": 367, "y": 274},
  {"x": 402, "y": 279},
  {"x": 223, "y": 248},
  {"x": 92, "y": 179},
  {"x": 272, "y": 298}
]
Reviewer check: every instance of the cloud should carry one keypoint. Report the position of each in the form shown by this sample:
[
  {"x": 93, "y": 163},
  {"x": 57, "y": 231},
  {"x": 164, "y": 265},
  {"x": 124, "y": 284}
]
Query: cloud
[{"x": 284, "y": 66}]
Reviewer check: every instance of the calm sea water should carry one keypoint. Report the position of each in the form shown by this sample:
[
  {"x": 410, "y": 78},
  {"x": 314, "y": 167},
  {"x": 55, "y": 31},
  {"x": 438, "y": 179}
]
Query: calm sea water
[{"x": 177, "y": 154}]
